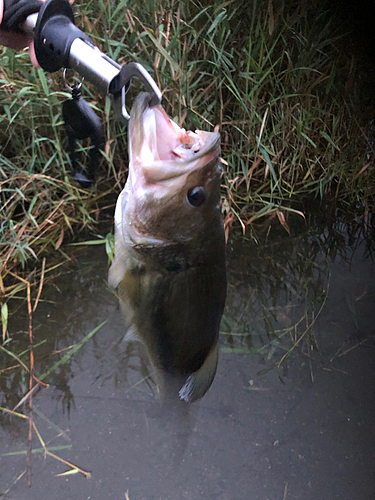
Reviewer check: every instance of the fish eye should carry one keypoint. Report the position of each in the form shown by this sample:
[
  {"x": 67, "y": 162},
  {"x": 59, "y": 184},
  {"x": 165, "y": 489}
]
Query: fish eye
[{"x": 196, "y": 196}]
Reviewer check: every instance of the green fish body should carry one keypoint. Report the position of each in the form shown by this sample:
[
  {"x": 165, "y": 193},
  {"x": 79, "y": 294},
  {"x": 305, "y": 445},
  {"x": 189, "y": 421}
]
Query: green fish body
[{"x": 169, "y": 264}]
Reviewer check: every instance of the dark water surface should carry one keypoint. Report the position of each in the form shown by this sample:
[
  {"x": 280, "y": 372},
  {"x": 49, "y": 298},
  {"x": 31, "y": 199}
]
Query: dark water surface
[{"x": 304, "y": 431}]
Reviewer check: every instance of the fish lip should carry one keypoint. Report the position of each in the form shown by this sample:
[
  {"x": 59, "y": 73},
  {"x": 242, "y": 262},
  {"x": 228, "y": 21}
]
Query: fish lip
[{"x": 209, "y": 145}]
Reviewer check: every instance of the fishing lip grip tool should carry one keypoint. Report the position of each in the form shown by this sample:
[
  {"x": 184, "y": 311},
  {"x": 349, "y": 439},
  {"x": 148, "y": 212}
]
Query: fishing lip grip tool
[{"x": 60, "y": 44}]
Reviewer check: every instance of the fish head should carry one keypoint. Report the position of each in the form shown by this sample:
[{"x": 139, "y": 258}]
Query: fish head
[{"x": 173, "y": 188}]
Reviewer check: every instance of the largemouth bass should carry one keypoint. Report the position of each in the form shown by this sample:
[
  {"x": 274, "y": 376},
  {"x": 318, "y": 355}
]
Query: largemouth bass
[{"x": 169, "y": 263}]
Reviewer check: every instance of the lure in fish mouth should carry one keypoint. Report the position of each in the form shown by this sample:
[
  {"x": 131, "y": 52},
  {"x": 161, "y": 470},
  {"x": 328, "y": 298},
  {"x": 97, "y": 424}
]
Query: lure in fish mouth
[{"x": 169, "y": 263}]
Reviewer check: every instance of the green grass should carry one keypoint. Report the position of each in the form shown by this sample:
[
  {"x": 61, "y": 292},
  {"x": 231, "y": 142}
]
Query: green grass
[{"x": 276, "y": 83}]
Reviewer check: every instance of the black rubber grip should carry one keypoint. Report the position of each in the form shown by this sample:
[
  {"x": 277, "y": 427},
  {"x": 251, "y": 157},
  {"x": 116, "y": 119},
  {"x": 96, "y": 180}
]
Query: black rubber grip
[{"x": 16, "y": 12}]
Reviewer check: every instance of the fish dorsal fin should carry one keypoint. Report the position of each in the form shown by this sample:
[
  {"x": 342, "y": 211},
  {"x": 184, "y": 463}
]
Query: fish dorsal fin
[{"x": 198, "y": 383}]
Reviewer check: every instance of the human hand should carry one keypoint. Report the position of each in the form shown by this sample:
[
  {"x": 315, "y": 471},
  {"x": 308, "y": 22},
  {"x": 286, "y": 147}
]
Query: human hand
[{"x": 13, "y": 13}]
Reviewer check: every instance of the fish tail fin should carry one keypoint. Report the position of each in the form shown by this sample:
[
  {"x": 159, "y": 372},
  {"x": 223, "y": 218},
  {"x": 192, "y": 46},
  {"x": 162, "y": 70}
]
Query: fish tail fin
[
  {"x": 198, "y": 383},
  {"x": 132, "y": 335}
]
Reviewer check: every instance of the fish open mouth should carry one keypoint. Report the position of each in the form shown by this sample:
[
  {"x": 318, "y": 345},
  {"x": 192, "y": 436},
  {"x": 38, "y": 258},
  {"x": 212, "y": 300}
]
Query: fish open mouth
[
  {"x": 155, "y": 138},
  {"x": 173, "y": 142}
]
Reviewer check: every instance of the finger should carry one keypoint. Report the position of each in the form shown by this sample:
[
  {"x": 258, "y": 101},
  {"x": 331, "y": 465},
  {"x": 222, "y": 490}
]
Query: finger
[{"x": 32, "y": 55}]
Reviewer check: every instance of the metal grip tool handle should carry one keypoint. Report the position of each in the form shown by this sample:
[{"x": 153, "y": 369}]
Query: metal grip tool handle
[{"x": 60, "y": 44}]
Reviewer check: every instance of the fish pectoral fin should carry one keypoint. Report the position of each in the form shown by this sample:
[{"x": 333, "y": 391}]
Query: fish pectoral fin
[
  {"x": 198, "y": 383},
  {"x": 116, "y": 272}
]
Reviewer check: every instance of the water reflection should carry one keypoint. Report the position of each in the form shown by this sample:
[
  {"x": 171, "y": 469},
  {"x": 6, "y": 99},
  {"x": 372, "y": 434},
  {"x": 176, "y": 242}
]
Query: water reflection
[
  {"x": 108, "y": 393},
  {"x": 277, "y": 289}
]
